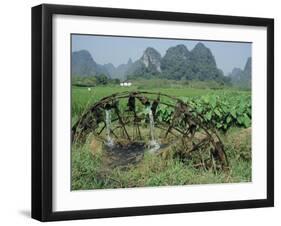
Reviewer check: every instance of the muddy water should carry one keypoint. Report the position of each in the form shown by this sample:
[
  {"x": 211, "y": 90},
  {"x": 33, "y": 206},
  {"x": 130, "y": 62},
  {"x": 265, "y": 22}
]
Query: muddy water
[
  {"x": 125, "y": 155},
  {"x": 131, "y": 153}
]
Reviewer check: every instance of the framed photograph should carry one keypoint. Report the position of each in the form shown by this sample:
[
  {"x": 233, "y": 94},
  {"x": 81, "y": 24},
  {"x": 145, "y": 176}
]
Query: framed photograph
[{"x": 145, "y": 112}]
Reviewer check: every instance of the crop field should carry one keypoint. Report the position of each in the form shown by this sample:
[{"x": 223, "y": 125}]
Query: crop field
[{"x": 228, "y": 111}]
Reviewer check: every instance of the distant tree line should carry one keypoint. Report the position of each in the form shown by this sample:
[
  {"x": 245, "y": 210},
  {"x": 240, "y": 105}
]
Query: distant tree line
[{"x": 90, "y": 81}]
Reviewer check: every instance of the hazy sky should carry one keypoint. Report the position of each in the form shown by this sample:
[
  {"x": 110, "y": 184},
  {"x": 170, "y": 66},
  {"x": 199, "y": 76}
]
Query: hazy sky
[{"x": 118, "y": 50}]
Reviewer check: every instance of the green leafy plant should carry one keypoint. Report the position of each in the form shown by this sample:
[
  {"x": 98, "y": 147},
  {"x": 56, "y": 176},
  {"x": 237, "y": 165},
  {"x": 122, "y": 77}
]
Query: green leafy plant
[{"x": 221, "y": 111}]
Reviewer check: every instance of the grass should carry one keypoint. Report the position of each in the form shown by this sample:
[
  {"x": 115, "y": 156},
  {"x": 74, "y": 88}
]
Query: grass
[{"x": 89, "y": 170}]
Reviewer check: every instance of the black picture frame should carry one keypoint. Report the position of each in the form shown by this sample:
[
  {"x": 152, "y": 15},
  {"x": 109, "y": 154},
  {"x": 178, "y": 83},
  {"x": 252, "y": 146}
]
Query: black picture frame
[{"x": 42, "y": 107}]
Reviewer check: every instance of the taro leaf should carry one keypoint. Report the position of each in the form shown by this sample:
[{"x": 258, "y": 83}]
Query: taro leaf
[
  {"x": 246, "y": 120},
  {"x": 224, "y": 108},
  {"x": 240, "y": 120},
  {"x": 218, "y": 125},
  {"x": 205, "y": 99},
  {"x": 240, "y": 109},
  {"x": 200, "y": 109},
  {"x": 217, "y": 112},
  {"x": 169, "y": 110},
  {"x": 208, "y": 115},
  {"x": 213, "y": 101},
  {"x": 228, "y": 119},
  {"x": 225, "y": 126},
  {"x": 233, "y": 113}
]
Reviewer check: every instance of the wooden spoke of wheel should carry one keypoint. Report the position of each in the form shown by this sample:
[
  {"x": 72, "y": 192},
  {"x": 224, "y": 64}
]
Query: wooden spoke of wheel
[
  {"x": 176, "y": 114},
  {"x": 98, "y": 133},
  {"x": 121, "y": 122}
]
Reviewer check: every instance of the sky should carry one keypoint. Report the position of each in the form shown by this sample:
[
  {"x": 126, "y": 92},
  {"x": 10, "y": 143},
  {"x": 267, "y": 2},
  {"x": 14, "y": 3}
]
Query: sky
[{"x": 118, "y": 50}]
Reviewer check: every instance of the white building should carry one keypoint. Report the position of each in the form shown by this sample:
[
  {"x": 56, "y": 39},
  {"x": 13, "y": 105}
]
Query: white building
[{"x": 126, "y": 83}]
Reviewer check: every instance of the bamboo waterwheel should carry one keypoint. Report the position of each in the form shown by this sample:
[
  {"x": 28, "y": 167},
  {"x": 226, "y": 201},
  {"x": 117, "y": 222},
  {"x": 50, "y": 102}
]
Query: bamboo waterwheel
[{"x": 160, "y": 122}]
